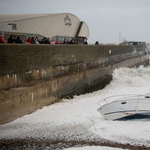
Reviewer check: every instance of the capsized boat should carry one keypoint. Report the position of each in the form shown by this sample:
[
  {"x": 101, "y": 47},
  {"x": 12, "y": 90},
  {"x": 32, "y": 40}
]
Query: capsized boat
[{"x": 122, "y": 107}]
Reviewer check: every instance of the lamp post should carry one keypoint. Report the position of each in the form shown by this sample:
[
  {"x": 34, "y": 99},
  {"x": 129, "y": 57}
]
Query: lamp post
[
  {"x": 119, "y": 37},
  {"x": 3, "y": 26}
]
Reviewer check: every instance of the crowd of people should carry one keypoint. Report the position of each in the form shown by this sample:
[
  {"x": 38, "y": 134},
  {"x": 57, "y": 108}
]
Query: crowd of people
[
  {"x": 36, "y": 40},
  {"x": 11, "y": 39}
]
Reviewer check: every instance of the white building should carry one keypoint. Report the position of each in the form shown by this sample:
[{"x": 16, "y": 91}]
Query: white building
[{"x": 53, "y": 26}]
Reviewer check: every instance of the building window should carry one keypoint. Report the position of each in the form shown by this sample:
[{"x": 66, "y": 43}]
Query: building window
[
  {"x": 60, "y": 38},
  {"x": 14, "y": 26},
  {"x": 34, "y": 35},
  {"x": 54, "y": 38}
]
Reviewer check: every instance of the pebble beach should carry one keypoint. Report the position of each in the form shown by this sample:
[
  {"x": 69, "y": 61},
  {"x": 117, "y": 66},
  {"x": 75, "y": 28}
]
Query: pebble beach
[{"x": 57, "y": 144}]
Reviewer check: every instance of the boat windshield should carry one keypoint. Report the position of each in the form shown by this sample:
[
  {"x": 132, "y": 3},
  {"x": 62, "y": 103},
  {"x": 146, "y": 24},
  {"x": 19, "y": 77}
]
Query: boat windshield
[
  {"x": 147, "y": 95},
  {"x": 110, "y": 99}
]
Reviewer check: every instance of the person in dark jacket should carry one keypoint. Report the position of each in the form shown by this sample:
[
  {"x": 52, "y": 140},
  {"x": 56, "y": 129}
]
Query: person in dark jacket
[
  {"x": 71, "y": 42},
  {"x": 33, "y": 40},
  {"x": 64, "y": 42},
  {"x": 18, "y": 40},
  {"x": 85, "y": 42},
  {"x": 15, "y": 38},
  {"x": 11, "y": 39},
  {"x": 47, "y": 40},
  {"x": 43, "y": 41},
  {"x": 67, "y": 41},
  {"x": 96, "y": 43}
]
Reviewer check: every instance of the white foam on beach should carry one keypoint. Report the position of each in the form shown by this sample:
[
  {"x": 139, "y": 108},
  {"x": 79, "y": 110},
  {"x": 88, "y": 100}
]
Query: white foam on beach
[
  {"x": 78, "y": 117},
  {"x": 95, "y": 148}
]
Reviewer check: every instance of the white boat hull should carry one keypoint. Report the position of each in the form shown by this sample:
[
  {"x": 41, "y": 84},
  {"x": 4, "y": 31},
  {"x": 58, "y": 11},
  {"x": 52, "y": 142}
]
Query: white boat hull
[{"x": 126, "y": 108}]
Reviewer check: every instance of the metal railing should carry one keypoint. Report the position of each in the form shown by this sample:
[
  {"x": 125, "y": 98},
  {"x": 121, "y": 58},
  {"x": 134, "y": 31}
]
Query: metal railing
[{"x": 110, "y": 99}]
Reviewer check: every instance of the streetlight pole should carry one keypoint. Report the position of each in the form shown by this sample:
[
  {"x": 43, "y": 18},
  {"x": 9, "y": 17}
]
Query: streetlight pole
[
  {"x": 3, "y": 26},
  {"x": 119, "y": 37}
]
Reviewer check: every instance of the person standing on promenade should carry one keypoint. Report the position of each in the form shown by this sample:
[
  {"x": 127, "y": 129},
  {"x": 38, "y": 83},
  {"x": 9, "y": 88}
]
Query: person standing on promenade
[
  {"x": 36, "y": 41},
  {"x": 71, "y": 41},
  {"x": 29, "y": 40},
  {"x": 85, "y": 42},
  {"x": 52, "y": 42},
  {"x": 97, "y": 43},
  {"x": 47, "y": 41},
  {"x": 15, "y": 38},
  {"x": 33, "y": 40},
  {"x": 64, "y": 42},
  {"x": 18, "y": 40},
  {"x": 1, "y": 39},
  {"x": 43, "y": 41},
  {"x": 67, "y": 41},
  {"x": 37, "y": 38},
  {"x": 11, "y": 39},
  {"x": 57, "y": 42}
]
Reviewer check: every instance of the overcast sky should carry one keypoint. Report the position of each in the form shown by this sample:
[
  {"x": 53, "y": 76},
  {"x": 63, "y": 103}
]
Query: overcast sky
[{"x": 106, "y": 19}]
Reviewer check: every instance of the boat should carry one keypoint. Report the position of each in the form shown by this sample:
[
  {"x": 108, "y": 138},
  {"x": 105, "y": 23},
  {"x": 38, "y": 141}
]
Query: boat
[{"x": 124, "y": 107}]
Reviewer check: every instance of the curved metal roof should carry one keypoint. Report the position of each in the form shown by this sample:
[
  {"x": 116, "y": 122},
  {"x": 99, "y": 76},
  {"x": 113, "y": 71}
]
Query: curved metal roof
[
  {"x": 47, "y": 25},
  {"x": 10, "y": 17}
]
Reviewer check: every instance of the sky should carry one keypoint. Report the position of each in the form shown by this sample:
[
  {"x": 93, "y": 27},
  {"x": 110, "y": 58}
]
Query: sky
[{"x": 109, "y": 21}]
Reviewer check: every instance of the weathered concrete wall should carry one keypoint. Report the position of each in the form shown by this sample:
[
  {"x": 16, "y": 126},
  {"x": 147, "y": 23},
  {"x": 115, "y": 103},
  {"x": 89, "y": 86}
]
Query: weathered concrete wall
[
  {"x": 22, "y": 65},
  {"x": 17, "y": 102}
]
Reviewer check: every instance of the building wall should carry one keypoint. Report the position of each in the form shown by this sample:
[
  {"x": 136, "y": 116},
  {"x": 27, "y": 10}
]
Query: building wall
[{"x": 83, "y": 31}]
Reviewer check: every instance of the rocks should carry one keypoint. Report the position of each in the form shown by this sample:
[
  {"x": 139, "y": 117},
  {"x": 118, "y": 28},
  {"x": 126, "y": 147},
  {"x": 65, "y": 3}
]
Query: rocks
[{"x": 59, "y": 144}]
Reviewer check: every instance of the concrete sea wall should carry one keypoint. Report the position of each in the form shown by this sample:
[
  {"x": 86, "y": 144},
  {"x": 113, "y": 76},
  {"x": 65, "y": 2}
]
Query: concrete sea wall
[
  {"x": 33, "y": 76},
  {"x": 23, "y": 64}
]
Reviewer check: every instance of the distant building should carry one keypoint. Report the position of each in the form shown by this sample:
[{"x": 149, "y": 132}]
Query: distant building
[{"x": 55, "y": 26}]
